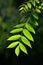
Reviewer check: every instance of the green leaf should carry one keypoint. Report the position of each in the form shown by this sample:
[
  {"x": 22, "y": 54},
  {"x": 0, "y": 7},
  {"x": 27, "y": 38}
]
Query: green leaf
[
  {"x": 14, "y": 37},
  {"x": 22, "y": 5},
  {"x": 38, "y": 10},
  {"x": 39, "y": 7},
  {"x": 26, "y": 41},
  {"x": 42, "y": 4},
  {"x": 23, "y": 48},
  {"x": 26, "y": 7},
  {"x": 21, "y": 8},
  {"x": 37, "y": 1},
  {"x": 42, "y": 8},
  {"x": 30, "y": 28},
  {"x": 23, "y": 11},
  {"x": 19, "y": 25},
  {"x": 12, "y": 45},
  {"x": 33, "y": 21},
  {"x": 16, "y": 30},
  {"x": 27, "y": 34},
  {"x": 34, "y": 3},
  {"x": 36, "y": 23},
  {"x": 29, "y": 5},
  {"x": 35, "y": 15},
  {"x": 17, "y": 50}
]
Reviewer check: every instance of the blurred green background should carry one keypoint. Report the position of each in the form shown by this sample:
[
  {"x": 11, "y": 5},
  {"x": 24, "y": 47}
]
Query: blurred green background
[{"x": 9, "y": 16}]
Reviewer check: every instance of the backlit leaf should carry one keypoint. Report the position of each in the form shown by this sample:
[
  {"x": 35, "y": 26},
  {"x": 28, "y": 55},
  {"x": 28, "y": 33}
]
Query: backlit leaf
[
  {"x": 26, "y": 41},
  {"x": 19, "y": 25},
  {"x": 23, "y": 48},
  {"x": 17, "y": 50},
  {"x": 12, "y": 45},
  {"x": 39, "y": 7},
  {"x": 37, "y": 1},
  {"x": 38, "y": 10},
  {"x": 28, "y": 34},
  {"x": 33, "y": 21},
  {"x": 34, "y": 3},
  {"x": 35, "y": 15},
  {"x": 16, "y": 30},
  {"x": 26, "y": 7},
  {"x": 21, "y": 8},
  {"x": 30, "y": 28},
  {"x": 42, "y": 4},
  {"x": 29, "y": 5},
  {"x": 14, "y": 37}
]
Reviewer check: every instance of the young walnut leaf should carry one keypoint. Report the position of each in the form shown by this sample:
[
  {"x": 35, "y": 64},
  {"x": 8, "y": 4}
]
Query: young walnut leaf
[
  {"x": 29, "y": 5},
  {"x": 30, "y": 28},
  {"x": 17, "y": 50},
  {"x": 28, "y": 34},
  {"x": 21, "y": 8},
  {"x": 19, "y": 25},
  {"x": 33, "y": 2},
  {"x": 26, "y": 41},
  {"x": 33, "y": 21},
  {"x": 16, "y": 30},
  {"x": 14, "y": 37},
  {"x": 42, "y": 4},
  {"x": 38, "y": 10},
  {"x": 22, "y": 47},
  {"x": 35, "y": 15},
  {"x": 12, "y": 45},
  {"x": 26, "y": 7},
  {"x": 37, "y": 1}
]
